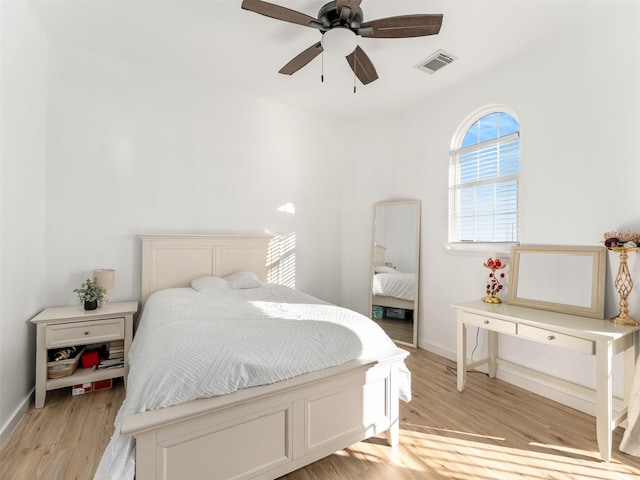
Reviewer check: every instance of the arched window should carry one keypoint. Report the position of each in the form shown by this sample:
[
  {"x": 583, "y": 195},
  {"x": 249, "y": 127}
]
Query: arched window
[{"x": 484, "y": 179}]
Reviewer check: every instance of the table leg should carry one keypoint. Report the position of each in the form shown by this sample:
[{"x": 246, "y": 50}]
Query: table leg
[
  {"x": 41, "y": 368},
  {"x": 128, "y": 338},
  {"x": 41, "y": 392},
  {"x": 492, "y": 348},
  {"x": 393, "y": 434},
  {"x": 462, "y": 353},
  {"x": 604, "y": 400}
]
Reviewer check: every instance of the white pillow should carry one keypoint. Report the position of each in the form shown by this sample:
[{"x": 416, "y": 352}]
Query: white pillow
[
  {"x": 210, "y": 284},
  {"x": 242, "y": 280},
  {"x": 385, "y": 269}
]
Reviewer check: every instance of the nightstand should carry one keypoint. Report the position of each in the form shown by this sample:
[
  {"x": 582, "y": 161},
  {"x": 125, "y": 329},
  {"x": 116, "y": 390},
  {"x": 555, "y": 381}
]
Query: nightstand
[{"x": 71, "y": 326}]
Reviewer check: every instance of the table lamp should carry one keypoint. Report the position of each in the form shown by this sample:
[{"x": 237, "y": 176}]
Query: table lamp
[{"x": 105, "y": 278}]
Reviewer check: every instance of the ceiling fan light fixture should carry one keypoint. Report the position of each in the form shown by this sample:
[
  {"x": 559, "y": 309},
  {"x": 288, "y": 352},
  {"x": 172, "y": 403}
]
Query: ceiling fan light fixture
[{"x": 339, "y": 41}]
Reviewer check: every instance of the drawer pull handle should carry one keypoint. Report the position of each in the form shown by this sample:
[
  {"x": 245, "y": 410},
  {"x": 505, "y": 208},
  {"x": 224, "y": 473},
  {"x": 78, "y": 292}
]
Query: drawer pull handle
[
  {"x": 551, "y": 337},
  {"x": 486, "y": 322},
  {"x": 86, "y": 333}
]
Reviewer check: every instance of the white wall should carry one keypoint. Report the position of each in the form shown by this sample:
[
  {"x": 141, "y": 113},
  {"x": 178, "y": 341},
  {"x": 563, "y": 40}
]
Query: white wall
[
  {"x": 22, "y": 191},
  {"x": 578, "y": 103},
  {"x": 395, "y": 229},
  {"x": 133, "y": 151},
  {"x": 117, "y": 164}
]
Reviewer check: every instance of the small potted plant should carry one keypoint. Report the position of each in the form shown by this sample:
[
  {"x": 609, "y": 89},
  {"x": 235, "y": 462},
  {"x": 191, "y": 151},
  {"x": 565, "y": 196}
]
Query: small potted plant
[{"x": 90, "y": 294}]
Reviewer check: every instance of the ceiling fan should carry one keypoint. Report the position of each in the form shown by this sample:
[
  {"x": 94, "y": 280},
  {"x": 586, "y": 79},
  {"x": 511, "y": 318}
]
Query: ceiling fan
[{"x": 339, "y": 22}]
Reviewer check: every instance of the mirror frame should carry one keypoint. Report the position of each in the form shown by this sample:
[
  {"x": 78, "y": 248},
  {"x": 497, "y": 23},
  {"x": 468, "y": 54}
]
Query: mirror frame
[
  {"x": 594, "y": 284},
  {"x": 414, "y": 342}
]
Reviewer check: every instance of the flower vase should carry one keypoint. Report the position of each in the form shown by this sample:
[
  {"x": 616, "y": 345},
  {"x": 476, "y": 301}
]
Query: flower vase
[
  {"x": 494, "y": 284},
  {"x": 624, "y": 285},
  {"x": 491, "y": 299}
]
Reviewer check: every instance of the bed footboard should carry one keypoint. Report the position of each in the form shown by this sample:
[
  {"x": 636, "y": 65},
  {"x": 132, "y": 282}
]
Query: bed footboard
[{"x": 265, "y": 432}]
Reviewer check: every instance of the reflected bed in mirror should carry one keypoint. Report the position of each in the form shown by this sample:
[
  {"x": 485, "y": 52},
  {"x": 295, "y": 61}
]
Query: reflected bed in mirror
[{"x": 394, "y": 269}]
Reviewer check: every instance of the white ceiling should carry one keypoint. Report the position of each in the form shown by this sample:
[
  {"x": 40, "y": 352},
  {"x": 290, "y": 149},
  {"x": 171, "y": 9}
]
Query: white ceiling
[{"x": 218, "y": 42}]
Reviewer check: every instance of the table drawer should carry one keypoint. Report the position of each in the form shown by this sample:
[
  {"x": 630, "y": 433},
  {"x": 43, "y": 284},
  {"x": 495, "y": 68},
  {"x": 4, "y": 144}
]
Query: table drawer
[
  {"x": 83, "y": 333},
  {"x": 489, "y": 323},
  {"x": 554, "y": 338}
]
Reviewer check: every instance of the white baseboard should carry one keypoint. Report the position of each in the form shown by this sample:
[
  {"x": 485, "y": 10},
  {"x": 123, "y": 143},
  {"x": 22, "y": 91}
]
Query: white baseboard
[
  {"x": 438, "y": 350},
  {"x": 13, "y": 421},
  {"x": 577, "y": 397}
]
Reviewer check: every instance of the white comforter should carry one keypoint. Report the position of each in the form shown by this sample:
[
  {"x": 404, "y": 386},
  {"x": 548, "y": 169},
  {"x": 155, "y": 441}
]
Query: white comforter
[
  {"x": 399, "y": 285},
  {"x": 193, "y": 344},
  {"x": 630, "y": 442}
]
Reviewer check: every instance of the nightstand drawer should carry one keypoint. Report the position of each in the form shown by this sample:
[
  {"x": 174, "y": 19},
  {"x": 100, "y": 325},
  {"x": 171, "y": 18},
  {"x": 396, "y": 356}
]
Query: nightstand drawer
[
  {"x": 490, "y": 323},
  {"x": 83, "y": 333},
  {"x": 554, "y": 338}
]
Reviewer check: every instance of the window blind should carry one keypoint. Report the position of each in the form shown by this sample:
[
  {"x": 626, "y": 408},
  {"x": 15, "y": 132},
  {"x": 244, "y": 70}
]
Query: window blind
[{"x": 483, "y": 191}]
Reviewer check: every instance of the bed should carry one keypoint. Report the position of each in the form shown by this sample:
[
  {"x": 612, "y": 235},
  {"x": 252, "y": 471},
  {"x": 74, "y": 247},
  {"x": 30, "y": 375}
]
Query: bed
[
  {"x": 262, "y": 431},
  {"x": 391, "y": 288}
]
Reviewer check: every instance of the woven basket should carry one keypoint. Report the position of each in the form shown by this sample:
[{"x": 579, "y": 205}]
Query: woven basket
[{"x": 64, "y": 368}]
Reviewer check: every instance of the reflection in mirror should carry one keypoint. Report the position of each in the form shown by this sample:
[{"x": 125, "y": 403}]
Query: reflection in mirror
[{"x": 394, "y": 269}]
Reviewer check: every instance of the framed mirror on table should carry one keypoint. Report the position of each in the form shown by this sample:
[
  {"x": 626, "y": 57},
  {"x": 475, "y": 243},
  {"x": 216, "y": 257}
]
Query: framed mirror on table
[{"x": 565, "y": 279}]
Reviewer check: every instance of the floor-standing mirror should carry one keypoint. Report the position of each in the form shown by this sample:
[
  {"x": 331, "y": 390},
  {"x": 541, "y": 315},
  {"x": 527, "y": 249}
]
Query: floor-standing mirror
[{"x": 395, "y": 269}]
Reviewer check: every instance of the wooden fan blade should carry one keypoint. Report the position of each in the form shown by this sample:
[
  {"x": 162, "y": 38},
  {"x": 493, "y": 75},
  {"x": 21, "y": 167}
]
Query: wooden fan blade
[
  {"x": 402, "y": 26},
  {"x": 362, "y": 66},
  {"x": 352, "y": 5},
  {"x": 301, "y": 59},
  {"x": 279, "y": 13}
]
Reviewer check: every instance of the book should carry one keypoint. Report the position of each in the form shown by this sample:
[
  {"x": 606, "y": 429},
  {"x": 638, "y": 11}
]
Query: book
[{"x": 110, "y": 363}]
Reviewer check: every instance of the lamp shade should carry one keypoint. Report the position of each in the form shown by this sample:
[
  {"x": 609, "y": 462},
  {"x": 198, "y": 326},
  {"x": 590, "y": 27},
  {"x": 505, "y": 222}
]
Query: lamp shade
[{"x": 105, "y": 278}]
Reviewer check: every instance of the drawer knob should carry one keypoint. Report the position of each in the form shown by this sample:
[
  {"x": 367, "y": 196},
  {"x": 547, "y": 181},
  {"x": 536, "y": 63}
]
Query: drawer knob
[
  {"x": 486, "y": 322},
  {"x": 551, "y": 337},
  {"x": 86, "y": 333}
]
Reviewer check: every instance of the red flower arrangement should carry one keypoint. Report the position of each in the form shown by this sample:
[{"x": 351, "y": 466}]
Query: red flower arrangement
[{"x": 494, "y": 284}]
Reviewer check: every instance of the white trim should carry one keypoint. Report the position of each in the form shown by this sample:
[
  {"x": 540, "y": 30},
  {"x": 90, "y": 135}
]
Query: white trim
[
  {"x": 473, "y": 117},
  {"x": 501, "y": 250},
  {"x": 14, "y": 419}
]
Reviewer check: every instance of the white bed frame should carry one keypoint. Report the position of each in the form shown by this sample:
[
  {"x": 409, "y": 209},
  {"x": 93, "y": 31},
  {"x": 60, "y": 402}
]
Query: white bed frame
[
  {"x": 392, "y": 302},
  {"x": 379, "y": 258},
  {"x": 261, "y": 432}
]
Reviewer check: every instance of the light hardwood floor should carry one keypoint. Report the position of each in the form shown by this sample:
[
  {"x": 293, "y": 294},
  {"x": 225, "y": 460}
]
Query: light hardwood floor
[
  {"x": 492, "y": 430},
  {"x": 399, "y": 329}
]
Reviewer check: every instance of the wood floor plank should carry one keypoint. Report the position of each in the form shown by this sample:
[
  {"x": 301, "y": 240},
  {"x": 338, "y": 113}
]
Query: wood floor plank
[{"x": 491, "y": 431}]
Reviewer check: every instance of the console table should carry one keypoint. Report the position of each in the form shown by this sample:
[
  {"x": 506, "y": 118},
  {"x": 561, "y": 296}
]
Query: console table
[{"x": 590, "y": 336}]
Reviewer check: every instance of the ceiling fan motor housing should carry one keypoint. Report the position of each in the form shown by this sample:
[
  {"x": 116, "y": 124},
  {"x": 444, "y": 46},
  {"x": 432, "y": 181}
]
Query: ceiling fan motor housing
[{"x": 330, "y": 18}]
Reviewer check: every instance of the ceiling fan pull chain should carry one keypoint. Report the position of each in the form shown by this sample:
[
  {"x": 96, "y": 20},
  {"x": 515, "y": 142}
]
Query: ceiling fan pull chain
[
  {"x": 322, "y": 67},
  {"x": 354, "y": 73}
]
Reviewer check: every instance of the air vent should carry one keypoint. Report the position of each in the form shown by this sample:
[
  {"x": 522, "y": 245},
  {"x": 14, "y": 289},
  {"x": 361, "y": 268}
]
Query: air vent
[{"x": 435, "y": 62}]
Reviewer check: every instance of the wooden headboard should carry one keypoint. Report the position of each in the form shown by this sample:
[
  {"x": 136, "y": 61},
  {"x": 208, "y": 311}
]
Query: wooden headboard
[
  {"x": 379, "y": 254},
  {"x": 170, "y": 261}
]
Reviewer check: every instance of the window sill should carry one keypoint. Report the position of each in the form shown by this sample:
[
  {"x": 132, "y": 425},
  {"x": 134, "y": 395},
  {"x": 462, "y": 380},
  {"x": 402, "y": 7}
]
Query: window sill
[{"x": 500, "y": 250}]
